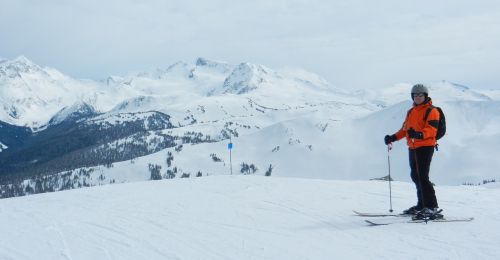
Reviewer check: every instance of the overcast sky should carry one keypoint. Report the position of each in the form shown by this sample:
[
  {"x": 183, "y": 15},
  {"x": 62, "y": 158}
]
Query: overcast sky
[{"x": 351, "y": 43}]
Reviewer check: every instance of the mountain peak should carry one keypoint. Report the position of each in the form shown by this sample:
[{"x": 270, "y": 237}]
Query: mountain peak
[
  {"x": 20, "y": 61},
  {"x": 209, "y": 63},
  {"x": 447, "y": 90},
  {"x": 21, "y": 64},
  {"x": 23, "y": 59},
  {"x": 245, "y": 78},
  {"x": 72, "y": 113},
  {"x": 177, "y": 65}
]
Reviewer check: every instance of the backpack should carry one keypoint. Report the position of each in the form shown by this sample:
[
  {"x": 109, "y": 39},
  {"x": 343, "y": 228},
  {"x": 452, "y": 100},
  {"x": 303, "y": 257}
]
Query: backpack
[{"x": 441, "y": 129}]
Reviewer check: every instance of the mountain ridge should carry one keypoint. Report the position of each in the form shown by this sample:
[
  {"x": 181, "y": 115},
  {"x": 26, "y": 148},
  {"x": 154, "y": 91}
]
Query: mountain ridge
[{"x": 22, "y": 98}]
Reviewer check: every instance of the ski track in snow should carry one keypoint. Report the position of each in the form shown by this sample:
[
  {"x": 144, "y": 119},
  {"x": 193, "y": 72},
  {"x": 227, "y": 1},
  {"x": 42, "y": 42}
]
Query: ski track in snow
[{"x": 244, "y": 217}]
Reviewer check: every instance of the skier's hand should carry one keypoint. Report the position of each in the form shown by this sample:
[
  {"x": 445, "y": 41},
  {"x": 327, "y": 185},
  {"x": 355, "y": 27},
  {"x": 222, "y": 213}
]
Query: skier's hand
[
  {"x": 414, "y": 134},
  {"x": 389, "y": 139}
]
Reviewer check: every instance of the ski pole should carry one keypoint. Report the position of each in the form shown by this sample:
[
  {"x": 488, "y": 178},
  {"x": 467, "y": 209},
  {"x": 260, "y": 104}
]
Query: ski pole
[{"x": 389, "y": 147}]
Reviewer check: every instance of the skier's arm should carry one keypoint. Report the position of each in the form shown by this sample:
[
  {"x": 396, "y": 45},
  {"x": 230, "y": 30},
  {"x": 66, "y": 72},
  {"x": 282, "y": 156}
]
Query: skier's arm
[{"x": 400, "y": 134}]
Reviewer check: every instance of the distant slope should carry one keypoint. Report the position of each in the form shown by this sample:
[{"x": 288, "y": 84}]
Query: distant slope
[{"x": 466, "y": 153}]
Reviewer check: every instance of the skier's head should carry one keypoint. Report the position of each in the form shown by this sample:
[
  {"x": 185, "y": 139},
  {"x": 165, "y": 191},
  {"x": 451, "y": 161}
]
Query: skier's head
[{"x": 419, "y": 89}]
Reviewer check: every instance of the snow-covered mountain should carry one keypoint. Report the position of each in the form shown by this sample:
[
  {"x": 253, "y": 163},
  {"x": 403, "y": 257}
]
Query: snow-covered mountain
[
  {"x": 176, "y": 122},
  {"x": 245, "y": 78},
  {"x": 442, "y": 91},
  {"x": 76, "y": 111},
  {"x": 28, "y": 88},
  {"x": 30, "y": 94}
]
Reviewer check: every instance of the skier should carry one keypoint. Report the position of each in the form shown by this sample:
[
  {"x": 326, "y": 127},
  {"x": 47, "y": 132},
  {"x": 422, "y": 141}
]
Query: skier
[{"x": 421, "y": 139}]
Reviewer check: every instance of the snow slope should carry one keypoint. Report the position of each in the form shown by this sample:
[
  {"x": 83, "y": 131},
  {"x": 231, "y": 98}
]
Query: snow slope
[
  {"x": 324, "y": 143},
  {"x": 467, "y": 153},
  {"x": 244, "y": 217},
  {"x": 494, "y": 94}
]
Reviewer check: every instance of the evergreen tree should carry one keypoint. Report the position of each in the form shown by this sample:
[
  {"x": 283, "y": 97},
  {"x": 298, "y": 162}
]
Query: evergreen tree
[{"x": 154, "y": 169}]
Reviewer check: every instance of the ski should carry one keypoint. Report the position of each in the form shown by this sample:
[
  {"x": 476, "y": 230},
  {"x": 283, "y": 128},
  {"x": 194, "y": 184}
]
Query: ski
[
  {"x": 374, "y": 223},
  {"x": 364, "y": 214},
  {"x": 450, "y": 219}
]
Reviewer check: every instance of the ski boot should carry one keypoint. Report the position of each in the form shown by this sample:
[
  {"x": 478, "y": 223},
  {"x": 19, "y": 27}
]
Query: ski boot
[
  {"x": 428, "y": 214},
  {"x": 412, "y": 210}
]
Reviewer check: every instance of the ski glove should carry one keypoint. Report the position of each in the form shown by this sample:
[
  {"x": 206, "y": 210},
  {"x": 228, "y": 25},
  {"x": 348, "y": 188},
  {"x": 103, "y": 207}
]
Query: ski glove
[
  {"x": 389, "y": 139},
  {"x": 414, "y": 134}
]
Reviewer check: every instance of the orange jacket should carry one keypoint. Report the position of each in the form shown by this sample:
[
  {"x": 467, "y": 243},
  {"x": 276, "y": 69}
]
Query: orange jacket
[{"x": 415, "y": 120}]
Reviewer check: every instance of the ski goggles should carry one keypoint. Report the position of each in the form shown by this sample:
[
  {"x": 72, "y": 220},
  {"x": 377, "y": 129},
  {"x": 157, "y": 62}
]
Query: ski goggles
[{"x": 418, "y": 94}]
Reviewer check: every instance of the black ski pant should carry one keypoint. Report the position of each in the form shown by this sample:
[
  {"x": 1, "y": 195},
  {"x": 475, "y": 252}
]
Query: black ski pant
[{"x": 420, "y": 162}]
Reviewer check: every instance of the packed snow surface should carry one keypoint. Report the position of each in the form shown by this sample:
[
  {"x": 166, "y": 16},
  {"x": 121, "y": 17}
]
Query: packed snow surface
[{"x": 245, "y": 217}]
